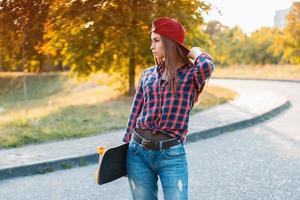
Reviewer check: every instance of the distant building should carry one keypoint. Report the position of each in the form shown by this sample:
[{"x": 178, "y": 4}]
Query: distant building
[{"x": 280, "y": 17}]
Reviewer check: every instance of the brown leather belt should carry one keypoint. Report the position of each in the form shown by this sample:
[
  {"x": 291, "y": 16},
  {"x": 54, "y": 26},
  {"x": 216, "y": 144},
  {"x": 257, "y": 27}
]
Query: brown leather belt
[{"x": 156, "y": 141}]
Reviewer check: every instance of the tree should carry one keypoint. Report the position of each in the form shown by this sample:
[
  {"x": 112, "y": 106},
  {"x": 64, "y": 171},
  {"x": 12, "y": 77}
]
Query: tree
[
  {"x": 227, "y": 43},
  {"x": 21, "y": 28},
  {"x": 232, "y": 46},
  {"x": 263, "y": 49},
  {"x": 292, "y": 35},
  {"x": 214, "y": 27},
  {"x": 111, "y": 35}
]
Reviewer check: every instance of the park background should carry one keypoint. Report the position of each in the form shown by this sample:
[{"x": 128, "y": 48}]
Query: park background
[{"x": 69, "y": 68}]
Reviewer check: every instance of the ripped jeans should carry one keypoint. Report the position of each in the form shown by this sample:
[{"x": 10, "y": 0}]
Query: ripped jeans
[{"x": 144, "y": 166}]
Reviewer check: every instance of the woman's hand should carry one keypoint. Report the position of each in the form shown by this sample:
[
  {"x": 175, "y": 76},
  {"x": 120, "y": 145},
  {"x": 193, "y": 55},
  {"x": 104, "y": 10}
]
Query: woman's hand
[{"x": 194, "y": 52}]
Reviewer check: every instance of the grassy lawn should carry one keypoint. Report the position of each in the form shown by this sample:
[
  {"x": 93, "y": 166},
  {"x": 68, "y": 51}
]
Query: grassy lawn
[
  {"x": 60, "y": 107},
  {"x": 285, "y": 72}
]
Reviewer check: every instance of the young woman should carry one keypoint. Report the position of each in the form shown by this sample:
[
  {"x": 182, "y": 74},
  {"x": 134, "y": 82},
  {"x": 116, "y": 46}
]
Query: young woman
[{"x": 158, "y": 122}]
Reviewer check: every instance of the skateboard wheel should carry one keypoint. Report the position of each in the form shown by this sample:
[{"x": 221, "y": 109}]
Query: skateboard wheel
[{"x": 100, "y": 150}]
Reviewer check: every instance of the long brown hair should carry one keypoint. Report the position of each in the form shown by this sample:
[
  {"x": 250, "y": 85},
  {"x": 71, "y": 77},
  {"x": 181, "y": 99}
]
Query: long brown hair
[{"x": 173, "y": 49}]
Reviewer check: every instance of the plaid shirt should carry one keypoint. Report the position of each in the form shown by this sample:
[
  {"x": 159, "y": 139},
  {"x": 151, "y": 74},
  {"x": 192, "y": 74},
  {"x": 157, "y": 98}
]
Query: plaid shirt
[{"x": 155, "y": 108}]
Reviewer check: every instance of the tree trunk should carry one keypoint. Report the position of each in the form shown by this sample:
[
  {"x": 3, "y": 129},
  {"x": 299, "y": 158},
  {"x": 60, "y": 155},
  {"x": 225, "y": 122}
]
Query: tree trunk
[
  {"x": 24, "y": 74},
  {"x": 41, "y": 64},
  {"x": 132, "y": 61},
  {"x": 132, "y": 70},
  {"x": 23, "y": 67},
  {"x": 59, "y": 66},
  {"x": 1, "y": 63}
]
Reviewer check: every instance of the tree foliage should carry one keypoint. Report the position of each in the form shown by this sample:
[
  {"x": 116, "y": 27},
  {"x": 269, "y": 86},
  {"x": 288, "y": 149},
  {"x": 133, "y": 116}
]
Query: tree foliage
[
  {"x": 264, "y": 46},
  {"x": 262, "y": 51},
  {"x": 111, "y": 35},
  {"x": 90, "y": 35},
  {"x": 21, "y": 30},
  {"x": 231, "y": 46},
  {"x": 86, "y": 36},
  {"x": 291, "y": 40},
  {"x": 227, "y": 43}
]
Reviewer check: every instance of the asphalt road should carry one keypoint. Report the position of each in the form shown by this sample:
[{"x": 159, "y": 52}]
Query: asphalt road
[{"x": 261, "y": 162}]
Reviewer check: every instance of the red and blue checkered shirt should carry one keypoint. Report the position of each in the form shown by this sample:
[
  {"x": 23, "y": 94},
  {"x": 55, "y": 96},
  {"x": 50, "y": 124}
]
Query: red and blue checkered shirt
[{"x": 154, "y": 107}]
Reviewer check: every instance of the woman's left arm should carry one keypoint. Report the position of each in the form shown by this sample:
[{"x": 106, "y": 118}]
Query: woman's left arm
[{"x": 203, "y": 65}]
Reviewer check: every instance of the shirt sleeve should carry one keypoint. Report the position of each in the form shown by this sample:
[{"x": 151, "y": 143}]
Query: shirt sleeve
[
  {"x": 203, "y": 68},
  {"x": 135, "y": 110}
]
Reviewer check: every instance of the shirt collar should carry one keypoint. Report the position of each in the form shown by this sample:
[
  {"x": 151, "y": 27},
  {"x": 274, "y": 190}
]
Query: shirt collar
[{"x": 160, "y": 68}]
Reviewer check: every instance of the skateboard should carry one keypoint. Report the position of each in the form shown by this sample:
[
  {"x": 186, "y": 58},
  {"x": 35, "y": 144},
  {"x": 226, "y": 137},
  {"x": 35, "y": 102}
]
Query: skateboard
[{"x": 112, "y": 163}]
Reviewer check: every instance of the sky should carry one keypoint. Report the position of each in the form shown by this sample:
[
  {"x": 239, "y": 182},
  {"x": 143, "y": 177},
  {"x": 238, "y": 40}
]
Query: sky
[{"x": 250, "y": 15}]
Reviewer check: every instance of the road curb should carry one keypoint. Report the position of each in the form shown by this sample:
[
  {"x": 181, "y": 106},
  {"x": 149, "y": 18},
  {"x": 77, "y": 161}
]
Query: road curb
[
  {"x": 237, "y": 125},
  {"x": 83, "y": 160}
]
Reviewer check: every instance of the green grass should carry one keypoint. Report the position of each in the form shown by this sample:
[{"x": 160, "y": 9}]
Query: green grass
[
  {"x": 60, "y": 107},
  {"x": 284, "y": 72},
  {"x": 40, "y": 87}
]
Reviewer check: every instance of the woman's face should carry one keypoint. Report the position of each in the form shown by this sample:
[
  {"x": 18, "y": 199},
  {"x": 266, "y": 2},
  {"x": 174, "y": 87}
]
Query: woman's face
[{"x": 157, "y": 46}]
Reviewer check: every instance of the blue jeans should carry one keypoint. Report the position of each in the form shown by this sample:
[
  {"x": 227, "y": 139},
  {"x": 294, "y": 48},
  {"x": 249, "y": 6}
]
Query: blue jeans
[{"x": 144, "y": 166}]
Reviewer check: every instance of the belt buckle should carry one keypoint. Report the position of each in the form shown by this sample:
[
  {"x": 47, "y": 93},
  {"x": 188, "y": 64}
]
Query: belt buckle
[{"x": 144, "y": 143}]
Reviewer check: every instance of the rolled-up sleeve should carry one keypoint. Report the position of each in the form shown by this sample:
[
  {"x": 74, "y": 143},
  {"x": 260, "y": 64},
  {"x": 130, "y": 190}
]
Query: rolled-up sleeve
[
  {"x": 135, "y": 110},
  {"x": 203, "y": 68}
]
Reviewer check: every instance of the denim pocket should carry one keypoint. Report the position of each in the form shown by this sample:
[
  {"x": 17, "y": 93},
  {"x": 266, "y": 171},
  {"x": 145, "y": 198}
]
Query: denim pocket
[
  {"x": 133, "y": 147},
  {"x": 174, "y": 151}
]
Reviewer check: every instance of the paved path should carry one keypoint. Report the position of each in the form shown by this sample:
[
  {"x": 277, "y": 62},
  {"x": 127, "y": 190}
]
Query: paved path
[
  {"x": 258, "y": 163},
  {"x": 250, "y": 103}
]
